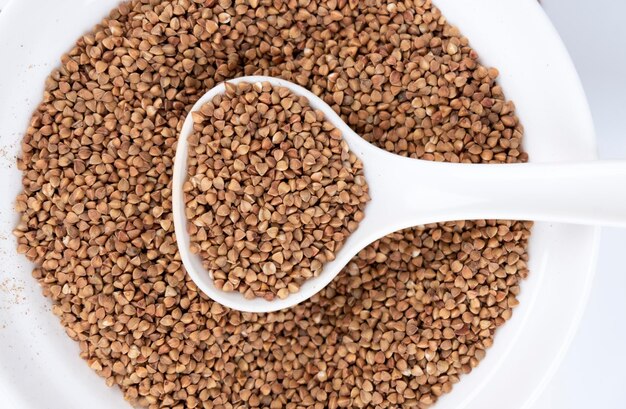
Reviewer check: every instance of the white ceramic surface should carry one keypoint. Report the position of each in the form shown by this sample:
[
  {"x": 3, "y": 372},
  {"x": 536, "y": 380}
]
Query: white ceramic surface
[
  {"x": 39, "y": 365},
  {"x": 591, "y": 34}
]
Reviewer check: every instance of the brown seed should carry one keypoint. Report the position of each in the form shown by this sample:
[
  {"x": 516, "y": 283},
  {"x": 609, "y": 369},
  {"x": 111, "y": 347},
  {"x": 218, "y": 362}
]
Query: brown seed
[
  {"x": 271, "y": 214},
  {"x": 112, "y": 111}
]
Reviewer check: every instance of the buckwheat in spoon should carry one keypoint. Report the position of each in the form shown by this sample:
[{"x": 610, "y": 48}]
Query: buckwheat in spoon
[{"x": 266, "y": 215}]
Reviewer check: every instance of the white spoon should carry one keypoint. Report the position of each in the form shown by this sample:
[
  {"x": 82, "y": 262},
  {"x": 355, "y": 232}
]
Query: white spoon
[{"x": 409, "y": 192}]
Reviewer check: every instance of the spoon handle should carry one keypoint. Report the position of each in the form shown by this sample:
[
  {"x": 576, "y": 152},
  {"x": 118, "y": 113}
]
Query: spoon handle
[{"x": 421, "y": 192}]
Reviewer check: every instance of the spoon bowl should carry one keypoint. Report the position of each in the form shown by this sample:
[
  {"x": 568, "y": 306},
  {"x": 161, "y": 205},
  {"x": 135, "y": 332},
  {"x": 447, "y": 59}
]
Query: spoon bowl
[{"x": 409, "y": 192}]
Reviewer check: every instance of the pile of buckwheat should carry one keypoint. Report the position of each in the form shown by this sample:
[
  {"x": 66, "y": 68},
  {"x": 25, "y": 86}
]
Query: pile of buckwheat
[
  {"x": 398, "y": 327},
  {"x": 272, "y": 190}
]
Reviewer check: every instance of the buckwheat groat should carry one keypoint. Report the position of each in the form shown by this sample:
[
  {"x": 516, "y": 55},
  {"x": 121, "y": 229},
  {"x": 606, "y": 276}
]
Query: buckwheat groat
[{"x": 272, "y": 190}]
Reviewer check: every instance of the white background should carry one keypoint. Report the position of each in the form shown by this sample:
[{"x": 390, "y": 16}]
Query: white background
[{"x": 593, "y": 374}]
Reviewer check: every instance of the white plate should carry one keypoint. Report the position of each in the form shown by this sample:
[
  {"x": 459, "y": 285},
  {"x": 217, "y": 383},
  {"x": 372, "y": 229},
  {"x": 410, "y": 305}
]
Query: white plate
[{"x": 39, "y": 364}]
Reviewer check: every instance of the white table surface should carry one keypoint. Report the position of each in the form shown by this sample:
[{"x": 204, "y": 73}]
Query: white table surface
[{"x": 593, "y": 374}]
